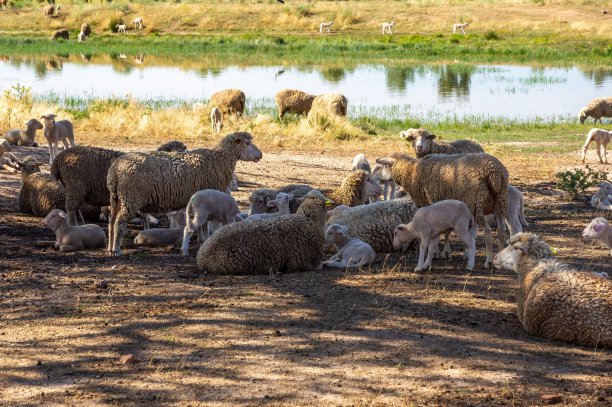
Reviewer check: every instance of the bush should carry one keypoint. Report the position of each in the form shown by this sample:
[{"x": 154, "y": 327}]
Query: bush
[
  {"x": 492, "y": 36},
  {"x": 303, "y": 10},
  {"x": 114, "y": 21},
  {"x": 577, "y": 181}
]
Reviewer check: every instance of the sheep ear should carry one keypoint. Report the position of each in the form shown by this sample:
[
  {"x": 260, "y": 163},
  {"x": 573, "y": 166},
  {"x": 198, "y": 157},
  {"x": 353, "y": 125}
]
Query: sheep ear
[
  {"x": 290, "y": 196},
  {"x": 173, "y": 213},
  {"x": 401, "y": 227},
  {"x": 61, "y": 214},
  {"x": 271, "y": 204},
  {"x": 432, "y": 136},
  {"x": 598, "y": 228},
  {"x": 344, "y": 230},
  {"x": 385, "y": 161}
]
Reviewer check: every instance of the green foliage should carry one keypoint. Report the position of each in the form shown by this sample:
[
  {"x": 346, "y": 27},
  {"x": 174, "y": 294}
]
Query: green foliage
[
  {"x": 303, "y": 10},
  {"x": 20, "y": 94},
  {"x": 114, "y": 21},
  {"x": 491, "y": 36},
  {"x": 577, "y": 181}
]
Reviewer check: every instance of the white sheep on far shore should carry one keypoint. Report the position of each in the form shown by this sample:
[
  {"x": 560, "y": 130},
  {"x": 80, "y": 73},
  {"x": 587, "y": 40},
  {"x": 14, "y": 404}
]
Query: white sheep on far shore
[
  {"x": 215, "y": 120},
  {"x": 386, "y": 27},
  {"x": 601, "y": 138},
  {"x": 121, "y": 28},
  {"x": 460, "y": 26},
  {"x": 138, "y": 22}
]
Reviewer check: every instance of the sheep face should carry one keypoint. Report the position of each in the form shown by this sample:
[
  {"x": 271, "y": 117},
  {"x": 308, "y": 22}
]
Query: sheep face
[
  {"x": 595, "y": 228},
  {"x": 336, "y": 232},
  {"x": 49, "y": 119},
  {"x": 28, "y": 166},
  {"x": 35, "y": 124},
  {"x": 582, "y": 116},
  {"x": 282, "y": 200},
  {"x": 247, "y": 150},
  {"x": 508, "y": 258},
  {"x": 258, "y": 205},
  {"x": 402, "y": 236},
  {"x": 521, "y": 244},
  {"x": 421, "y": 139},
  {"x": 54, "y": 219},
  {"x": 372, "y": 187}
]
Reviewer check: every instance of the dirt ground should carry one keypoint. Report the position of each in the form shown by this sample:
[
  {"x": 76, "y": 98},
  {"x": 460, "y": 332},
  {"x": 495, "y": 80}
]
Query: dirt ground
[{"x": 384, "y": 335}]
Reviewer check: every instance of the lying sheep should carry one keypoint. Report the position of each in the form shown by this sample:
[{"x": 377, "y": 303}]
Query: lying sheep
[
  {"x": 479, "y": 180},
  {"x": 164, "y": 236},
  {"x": 229, "y": 101},
  {"x": 139, "y": 182},
  {"x": 423, "y": 144},
  {"x": 73, "y": 238},
  {"x": 601, "y": 138},
  {"x": 555, "y": 301},
  {"x": 355, "y": 189},
  {"x": 259, "y": 198},
  {"x": 25, "y": 137},
  {"x": 326, "y": 26},
  {"x": 603, "y": 198},
  {"x": 293, "y": 101},
  {"x": 8, "y": 161},
  {"x": 55, "y": 132},
  {"x": 173, "y": 146},
  {"x": 515, "y": 218},
  {"x": 432, "y": 221},
  {"x": 599, "y": 229},
  {"x": 138, "y": 22},
  {"x": 332, "y": 103},
  {"x": 382, "y": 173},
  {"x": 121, "y": 28},
  {"x": 374, "y": 223},
  {"x": 48, "y": 11},
  {"x": 597, "y": 109},
  {"x": 286, "y": 244},
  {"x": 360, "y": 162},
  {"x": 40, "y": 193},
  {"x": 215, "y": 120},
  {"x": 281, "y": 203},
  {"x": 86, "y": 29},
  {"x": 62, "y": 33},
  {"x": 206, "y": 206},
  {"x": 351, "y": 252}
]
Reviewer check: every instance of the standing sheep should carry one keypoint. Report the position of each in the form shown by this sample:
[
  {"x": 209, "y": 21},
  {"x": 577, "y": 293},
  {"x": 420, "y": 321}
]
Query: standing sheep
[
  {"x": 555, "y": 301},
  {"x": 599, "y": 229},
  {"x": 603, "y": 198},
  {"x": 229, "y": 101},
  {"x": 351, "y": 252},
  {"x": 160, "y": 182},
  {"x": 82, "y": 37},
  {"x": 597, "y": 109},
  {"x": 62, "y": 33},
  {"x": 121, "y": 28},
  {"x": 86, "y": 29},
  {"x": 423, "y": 144},
  {"x": 293, "y": 101},
  {"x": 601, "y": 138},
  {"x": 25, "y": 137},
  {"x": 48, "y": 11},
  {"x": 284, "y": 244},
  {"x": 215, "y": 120},
  {"x": 360, "y": 162},
  {"x": 73, "y": 238},
  {"x": 138, "y": 22},
  {"x": 55, "y": 132},
  {"x": 355, "y": 189},
  {"x": 479, "y": 180},
  {"x": 332, "y": 103}
]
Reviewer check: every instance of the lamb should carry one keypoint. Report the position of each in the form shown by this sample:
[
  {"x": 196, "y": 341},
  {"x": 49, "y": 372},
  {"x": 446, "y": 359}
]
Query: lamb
[
  {"x": 25, "y": 137},
  {"x": 281, "y": 202},
  {"x": 285, "y": 244},
  {"x": 215, "y": 120},
  {"x": 121, "y": 28},
  {"x": 423, "y": 144},
  {"x": 386, "y": 27},
  {"x": 355, "y": 189},
  {"x": 8, "y": 161},
  {"x": 332, "y": 103},
  {"x": 430, "y": 222},
  {"x": 374, "y": 223},
  {"x": 597, "y": 109},
  {"x": 360, "y": 162},
  {"x": 233, "y": 185},
  {"x": 82, "y": 37},
  {"x": 326, "y": 26},
  {"x": 160, "y": 182},
  {"x": 73, "y": 238},
  {"x": 259, "y": 198},
  {"x": 207, "y": 205},
  {"x": 351, "y": 252},
  {"x": 555, "y": 301},
  {"x": 58, "y": 10},
  {"x": 460, "y": 26},
  {"x": 86, "y": 29},
  {"x": 601, "y": 138},
  {"x": 62, "y": 33},
  {"x": 382, "y": 173},
  {"x": 601, "y": 230},
  {"x": 293, "y": 101},
  {"x": 40, "y": 193},
  {"x": 164, "y": 236},
  {"x": 55, "y": 132},
  {"x": 138, "y": 22},
  {"x": 603, "y": 198},
  {"x": 48, "y": 11},
  {"x": 229, "y": 101},
  {"x": 3, "y": 3},
  {"x": 173, "y": 146},
  {"x": 479, "y": 180},
  {"x": 515, "y": 218}
]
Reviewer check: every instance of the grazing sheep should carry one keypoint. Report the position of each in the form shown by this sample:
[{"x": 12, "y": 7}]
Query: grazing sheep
[
  {"x": 386, "y": 27},
  {"x": 215, "y": 120},
  {"x": 326, "y": 26},
  {"x": 479, "y": 180},
  {"x": 259, "y": 198},
  {"x": 82, "y": 37},
  {"x": 284, "y": 244},
  {"x": 515, "y": 218},
  {"x": 374, "y": 223},
  {"x": 423, "y": 144},
  {"x": 173, "y": 146},
  {"x": 62, "y": 33},
  {"x": 7, "y": 160},
  {"x": 281, "y": 202},
  {"x": 25, "y": 137},
  {"x": 355, "y": 189},
  {"x": 360, "y": 162},
  {"x": 138, "y": 22},
  {"x": 351, "y": 252},
  {"x": 72, "y": 238},
  {"x": 601, "y": 138},
  {"x": 603, "y": 198},
  {"x": 48, "y": 11},
  {"x": 55, "y": 132},
  {"x": 121, "y": 28},
  {"x": 599, "y": 229},
  {"x": 430, "y": 222},
  {"x": 555, "y": 301},
  {"x": 229, "y": 101},
  {"x": 382, "y": 173},
  {"x": 597, "y": 109},
  {"x": 293, "y": 101},
  {"x": 332, "y": 103},
  {"x": 460, "y": 26},
  {"x": 86, "y": 29},
  {"x": 160, "y": 182},
  {"x": 207, "y": 205}
]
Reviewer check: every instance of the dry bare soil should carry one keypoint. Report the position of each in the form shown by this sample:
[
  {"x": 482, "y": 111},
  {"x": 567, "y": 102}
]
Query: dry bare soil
[{"x": 378, "y": 336}]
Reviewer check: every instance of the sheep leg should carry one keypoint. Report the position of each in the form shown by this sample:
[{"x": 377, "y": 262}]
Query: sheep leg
[
  {"x": 385, "y": 190},
  {"x": 501, "y": 232},
  {"x": 114, "y": 209},
  {"x": 69, "y": 248},
  {"x": 433, "y": 243},
  {"x": 144, "y": 218},
  {"x": 186, "y": 237},
  {"x": 189, "y": 230},
  {"x": 488, "y": 245},
  {"x": 604, "y": 151},
  {"x": 585, "y": 146},
  {"x": 50, "y": 152},
  {"x": 120, "y": 228},
  {"x": 446, "y": 253},
  {"x": 422, "y": 250},
  {"x": 55, "y": 148},
  {"x": 81, "y": 218},
  {"x": 470, "y": 247},
  {"x": 598, "y": 150},
  {"x": 392, "y": 194}
]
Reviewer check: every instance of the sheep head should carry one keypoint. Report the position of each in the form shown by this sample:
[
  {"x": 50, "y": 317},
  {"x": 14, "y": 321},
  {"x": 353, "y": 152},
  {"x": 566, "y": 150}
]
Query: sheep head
[
  {"x": 35, "y": 124},
  {"x": 243, "y": 143},
  {"x": 521, "y": 244},
  {"x": 421, "y": 140},
  {"x": 595, "y": 228}
]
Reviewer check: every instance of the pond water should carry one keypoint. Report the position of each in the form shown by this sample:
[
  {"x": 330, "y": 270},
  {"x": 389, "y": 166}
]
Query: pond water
[{"x": 428, "y": 92}]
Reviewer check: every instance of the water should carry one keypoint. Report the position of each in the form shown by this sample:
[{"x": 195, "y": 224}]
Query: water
[{"x": 430, "y": 92}]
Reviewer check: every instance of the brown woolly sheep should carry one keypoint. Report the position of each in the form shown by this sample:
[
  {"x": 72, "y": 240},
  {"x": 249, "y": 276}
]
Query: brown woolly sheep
[
  {"x": 63, "y": 33},
  {"x": 228, "y": 101},
  {"x": 423, "y": 144},
  {"x": 332, "y": 103},
  {"x": 48, "y": 11},
  {"x": 86, "y": 29},
  {"x": 293, "y": 101},
  {"x": 355, "y": 189},
  {"x": 597, "y": 109}
]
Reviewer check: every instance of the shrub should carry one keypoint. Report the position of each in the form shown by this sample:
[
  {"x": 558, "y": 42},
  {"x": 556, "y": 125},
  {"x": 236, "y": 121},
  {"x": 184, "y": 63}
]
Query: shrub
[
  {"x": 303, "y": 10},
  {"x": 577, "y": 181},
  {"x": 491, "y": 36},
  {"x": 114, "y": 21}
]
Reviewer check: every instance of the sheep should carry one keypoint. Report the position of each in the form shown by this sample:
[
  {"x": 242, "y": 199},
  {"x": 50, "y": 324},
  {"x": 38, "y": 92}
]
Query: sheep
[
  {"x": 355, "y": 189},
  {"x": 207, "y": 205},
  {"x": 48, "y": 11},
  {"x": 597, "y": 109},
  {"x": 360, "y": 162},
  {"x": 351, "y": 252},
  {"x": 82, "y": 37},
  {"x": 382, "y": 173},
  {"x": 173, "y": 146},
  {"x": 138, "y": 22},
  {"x": 603, "y": 198},
  {"x": 601, "y": 138},
  {"x": 8, "y": 161},
  {"x": 281, "y": 202},
  {"x": 25, "y": 137},
  {"x": 228, "y": 101},
  {"x": 259, "y": 198},
  {"x": 58, "y": 10},
  {"x": 374, "y": 223},
  {"x": 423, "y": 144},
  {"x": 430, "y": 222},
  {"x": 293, "y": 101},
  {"x": 62, "y": 33},
  {"x": 177, "y": 218},
  {"x": 3, "y": 3},
  {"x": 515, "y": 218},
  {"x": 555, "y": 301},
  {"x": 479, "y": 180},
  {"x": 386, "y": 27},
  {"x": 215, "y": 120},
  {"x": 72, "y": 238},
  {"x": 55, "y": 132},
  {"x": 332, "y": 103},
  {"x": 601, "y": 230},
  {"x": 86, "y": 29},
  {"x": 284, "y": 244},
  {"x": 121, "y": 28},
  {"x": 164, "y": 236},
  {"x": 160, "y": 182},
  {"x": 326, "y": 26},
  {"x": 233, "y": 185},
  {"x": 460, "y": 26},
  {"x": 40, "y": 193}
]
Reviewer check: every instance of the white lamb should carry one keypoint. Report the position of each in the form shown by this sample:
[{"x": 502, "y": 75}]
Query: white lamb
[
  {"x": 56, "y": 132},
  {"x": 360, "y": 162},
  {"x": 515, "y": 218},
  {"x": 121, "y": 28},
  {"x": 386, "y": 27},
  {"x": 603, "y": 198},
  {"x": 382, "y": 173},
  {"x": 351, "y": 252},
  {"x": 281, "y": 202},
  {"x": 599, "y": 229},
  {"x": 326, "y": 26},
  {"x": 72, "y": 238},
  {"x": 8, "y": 161},
  {"x": 601, "y": 138},
  {"x": 138, "y": 23},
  {"x": 430, "y": 222},
  {"x": 215, "y": 120},
  {"x": 460, "y": 26}
]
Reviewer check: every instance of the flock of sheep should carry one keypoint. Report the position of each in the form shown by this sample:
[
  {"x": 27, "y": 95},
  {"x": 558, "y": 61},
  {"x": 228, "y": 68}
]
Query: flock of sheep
[{"x": 446, "y": 187}]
